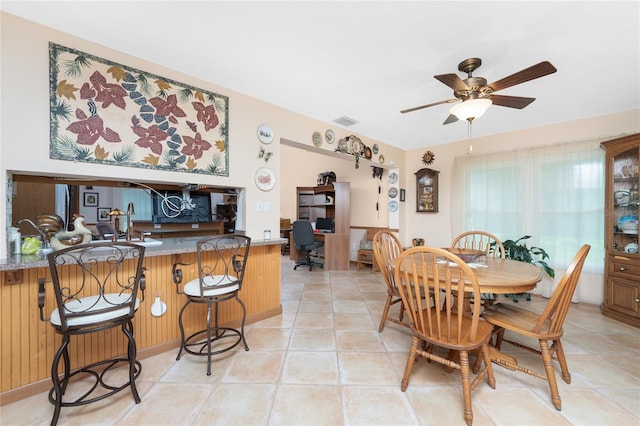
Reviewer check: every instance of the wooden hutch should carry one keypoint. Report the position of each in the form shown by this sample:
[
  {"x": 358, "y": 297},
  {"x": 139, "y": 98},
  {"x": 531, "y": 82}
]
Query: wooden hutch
[{"x": 622, "y": 262}]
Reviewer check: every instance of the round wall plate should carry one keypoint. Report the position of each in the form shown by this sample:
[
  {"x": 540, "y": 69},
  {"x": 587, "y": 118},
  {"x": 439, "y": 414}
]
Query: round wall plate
[
  {"x": 393, "y": 192},
  {"x": 265, "y": 134},
  {"x": 317, "y": 138},
  {"x": 393, "y": 206},
  {"x": 329, "y": 136},
  {"x": 265, "y": 179}
]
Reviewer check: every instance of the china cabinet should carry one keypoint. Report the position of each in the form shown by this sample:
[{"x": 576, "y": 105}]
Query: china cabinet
[
  {"x": 426, "y": 190},
  {"x": 622, "y": 262}
]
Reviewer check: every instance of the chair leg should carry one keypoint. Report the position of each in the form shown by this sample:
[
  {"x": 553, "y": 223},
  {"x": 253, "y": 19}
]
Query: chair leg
[
  {"x": 559, "y": 351},
  {"x": 465, "y": 374},
  {"x": 499, "y": 337},
  {"x": 58, "y": 387},
  {"x": 547, "y": 360},
  {"x": 209, "y": 334},
  {"x": 127, "y": 329},
  {"x": 385, "y": 313},
  {"x": 484, "y": 352},
  {"x": 244, "y": 317},
  {"x": 181, "y": 326},
  {"x": 411, "y": 360}
]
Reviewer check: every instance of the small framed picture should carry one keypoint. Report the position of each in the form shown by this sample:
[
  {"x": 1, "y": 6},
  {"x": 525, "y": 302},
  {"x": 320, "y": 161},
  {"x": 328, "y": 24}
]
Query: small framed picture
[
  {"x": 91, "y": 199},
  {"x": 402, "y": 195},
  {"x": 103, "y": 213}
]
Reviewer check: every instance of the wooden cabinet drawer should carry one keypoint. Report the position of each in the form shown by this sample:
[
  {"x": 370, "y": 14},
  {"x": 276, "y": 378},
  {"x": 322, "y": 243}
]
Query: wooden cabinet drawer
[{"x": 622, "y": 266}]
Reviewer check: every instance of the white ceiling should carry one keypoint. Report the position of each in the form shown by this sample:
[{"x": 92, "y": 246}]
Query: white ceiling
[{"x": 369, "y": 60}]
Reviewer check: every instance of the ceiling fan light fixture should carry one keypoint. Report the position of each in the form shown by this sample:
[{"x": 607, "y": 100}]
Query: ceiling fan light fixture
[{"x": 470, "y": 109}]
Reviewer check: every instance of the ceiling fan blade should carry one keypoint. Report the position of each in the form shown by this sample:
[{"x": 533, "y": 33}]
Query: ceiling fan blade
[
  {"x": 531, "y": 73},
  {"x": 452, "y": 80},
  {"x": 448, "y": 101},
  {"x": 511, "y": 101},
  {"x": 450, "y": 119}
]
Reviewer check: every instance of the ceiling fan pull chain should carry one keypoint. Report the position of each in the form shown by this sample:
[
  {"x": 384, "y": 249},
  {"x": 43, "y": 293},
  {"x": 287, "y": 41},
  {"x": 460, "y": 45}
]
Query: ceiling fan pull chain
[{"x": 470, "y": 148}]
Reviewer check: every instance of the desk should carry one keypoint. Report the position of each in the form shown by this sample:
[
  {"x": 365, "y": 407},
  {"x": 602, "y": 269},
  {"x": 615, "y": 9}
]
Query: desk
[{"x": 336, "y": 252}]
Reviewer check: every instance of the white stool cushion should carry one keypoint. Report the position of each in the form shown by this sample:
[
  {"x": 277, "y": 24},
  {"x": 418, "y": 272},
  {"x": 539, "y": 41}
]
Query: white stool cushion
[
  {"x": 81, "y": 304},
  {"x": 212, "y": 284}
]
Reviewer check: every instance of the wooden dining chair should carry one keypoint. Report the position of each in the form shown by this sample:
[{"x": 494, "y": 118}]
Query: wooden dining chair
[
  {"x": 386, "y": 249},
  {"x": 441, "y": 321},
  {"x": 486, "y": 242},
  {"x": 543, "y": 327}
]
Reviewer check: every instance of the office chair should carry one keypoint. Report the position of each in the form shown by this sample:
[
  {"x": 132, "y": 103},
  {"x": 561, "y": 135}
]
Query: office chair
[{"x": 304, "y": 239}]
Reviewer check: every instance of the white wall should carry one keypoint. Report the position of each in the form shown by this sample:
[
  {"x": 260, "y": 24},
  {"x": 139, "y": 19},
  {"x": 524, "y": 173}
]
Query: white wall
[
  {"x": 436, "y": 228},
  {"x": 24, "y": 133}
]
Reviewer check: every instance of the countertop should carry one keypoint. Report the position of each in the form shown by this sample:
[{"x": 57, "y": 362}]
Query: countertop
[{"x": 169, "y": 246}]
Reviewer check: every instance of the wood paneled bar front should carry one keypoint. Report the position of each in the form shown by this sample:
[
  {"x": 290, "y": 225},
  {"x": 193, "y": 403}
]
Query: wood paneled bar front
[{"x": 29, "y": 344}]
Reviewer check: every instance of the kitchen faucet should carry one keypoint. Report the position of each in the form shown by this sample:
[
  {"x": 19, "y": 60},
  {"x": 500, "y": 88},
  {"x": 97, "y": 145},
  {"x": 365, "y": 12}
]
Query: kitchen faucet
[{"x": 45, "y": 237}]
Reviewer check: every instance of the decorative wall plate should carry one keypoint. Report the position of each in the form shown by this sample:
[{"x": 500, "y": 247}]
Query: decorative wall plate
[
  {"x": 393, "y": 206},
  {"x": 375, "y": 149},
  {"x": 367, "y": 153},
  {"x": 393, "y": 192},
  {"x": 393, "y": 177},
  {"x": 265, "y": 179},
  {"x": 329, "y": 136},
  {"x": 343, "y": 146},
  {"x": 317, "y": 138},
  {"x": 381, "y": 159},
  {"x": 357, "y": 147},
  {"x": 265, "y": 134}
]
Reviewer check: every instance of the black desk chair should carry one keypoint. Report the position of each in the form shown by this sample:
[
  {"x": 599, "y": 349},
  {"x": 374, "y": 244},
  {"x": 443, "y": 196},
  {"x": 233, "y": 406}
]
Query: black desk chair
[
  {"x": 304, "y": 239},
  {"x": 97, "y": 288}
]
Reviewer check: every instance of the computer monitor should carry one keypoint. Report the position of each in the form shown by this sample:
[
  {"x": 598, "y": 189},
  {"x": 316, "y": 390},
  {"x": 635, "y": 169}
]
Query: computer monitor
[{"x": 324, "y": 224}]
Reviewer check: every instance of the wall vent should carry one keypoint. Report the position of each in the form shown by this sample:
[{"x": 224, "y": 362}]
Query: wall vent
[{"x": 345, "y": 121}]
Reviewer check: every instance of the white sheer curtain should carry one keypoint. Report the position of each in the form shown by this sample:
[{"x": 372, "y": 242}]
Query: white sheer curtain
[{"x": 553, "y": 193}]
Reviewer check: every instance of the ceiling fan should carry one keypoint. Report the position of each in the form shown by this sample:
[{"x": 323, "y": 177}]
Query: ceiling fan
[{"x": 477, "y": 95}]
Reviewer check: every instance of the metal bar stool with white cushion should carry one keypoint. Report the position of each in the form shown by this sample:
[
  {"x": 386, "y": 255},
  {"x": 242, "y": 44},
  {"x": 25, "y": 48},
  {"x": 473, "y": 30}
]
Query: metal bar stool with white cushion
[
  {"x": 221, "y": 264},
  {"x": 96, "y": 288}
]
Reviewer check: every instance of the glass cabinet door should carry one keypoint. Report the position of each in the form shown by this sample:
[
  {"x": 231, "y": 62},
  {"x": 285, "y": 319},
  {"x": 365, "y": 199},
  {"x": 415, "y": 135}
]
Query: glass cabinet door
[
  {"x": 625, "y": 201},
  {"x": 427, "y": 191}
]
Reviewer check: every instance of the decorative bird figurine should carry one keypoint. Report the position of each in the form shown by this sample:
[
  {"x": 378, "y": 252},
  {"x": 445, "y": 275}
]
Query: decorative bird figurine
[{"x": 79, "y": 235}]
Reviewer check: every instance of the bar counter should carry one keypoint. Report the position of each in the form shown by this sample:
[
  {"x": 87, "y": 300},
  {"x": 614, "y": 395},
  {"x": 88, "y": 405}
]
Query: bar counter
[{"x": 28, "y": 344}]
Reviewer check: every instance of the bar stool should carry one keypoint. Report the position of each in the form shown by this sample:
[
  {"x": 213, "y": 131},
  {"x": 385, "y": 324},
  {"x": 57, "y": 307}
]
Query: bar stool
[
  {"x": 221, "y": 263},
  {"x": 96, "y": 288}
]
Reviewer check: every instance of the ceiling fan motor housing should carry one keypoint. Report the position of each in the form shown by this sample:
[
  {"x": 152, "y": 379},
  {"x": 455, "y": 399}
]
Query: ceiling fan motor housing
[{"x": 477, "y": 88}]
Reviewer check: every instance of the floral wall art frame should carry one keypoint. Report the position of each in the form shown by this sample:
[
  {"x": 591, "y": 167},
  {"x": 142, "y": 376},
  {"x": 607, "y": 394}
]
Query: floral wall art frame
[{"x": 107, "y": 113}]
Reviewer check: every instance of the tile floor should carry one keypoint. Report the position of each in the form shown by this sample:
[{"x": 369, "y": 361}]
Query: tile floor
[{"x": 323, "y": 362}]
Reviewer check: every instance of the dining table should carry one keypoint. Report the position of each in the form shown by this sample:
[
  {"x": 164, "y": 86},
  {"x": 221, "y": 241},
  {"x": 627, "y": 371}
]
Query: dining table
[
  {"x": 500, "y": 276},
  {"x": 505, "y": 276}
]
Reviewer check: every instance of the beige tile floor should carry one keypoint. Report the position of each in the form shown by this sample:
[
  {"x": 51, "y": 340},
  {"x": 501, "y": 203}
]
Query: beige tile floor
[{"x": 323, "y": 362}]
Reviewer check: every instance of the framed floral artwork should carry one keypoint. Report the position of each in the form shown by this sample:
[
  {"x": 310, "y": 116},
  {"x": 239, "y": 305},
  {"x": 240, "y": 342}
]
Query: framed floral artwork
[{"x": 108, "y": 113}]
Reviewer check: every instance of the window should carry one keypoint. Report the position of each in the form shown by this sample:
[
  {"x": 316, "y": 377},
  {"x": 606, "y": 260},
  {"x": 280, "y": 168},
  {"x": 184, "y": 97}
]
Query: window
[{"x": 553, "y": 193}]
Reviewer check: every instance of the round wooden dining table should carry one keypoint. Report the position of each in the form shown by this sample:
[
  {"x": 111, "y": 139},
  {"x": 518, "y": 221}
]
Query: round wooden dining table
[{"x": 506, "y": 276}]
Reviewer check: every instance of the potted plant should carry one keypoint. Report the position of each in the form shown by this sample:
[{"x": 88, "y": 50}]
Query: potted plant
[{"x": 518, "y": 250}]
